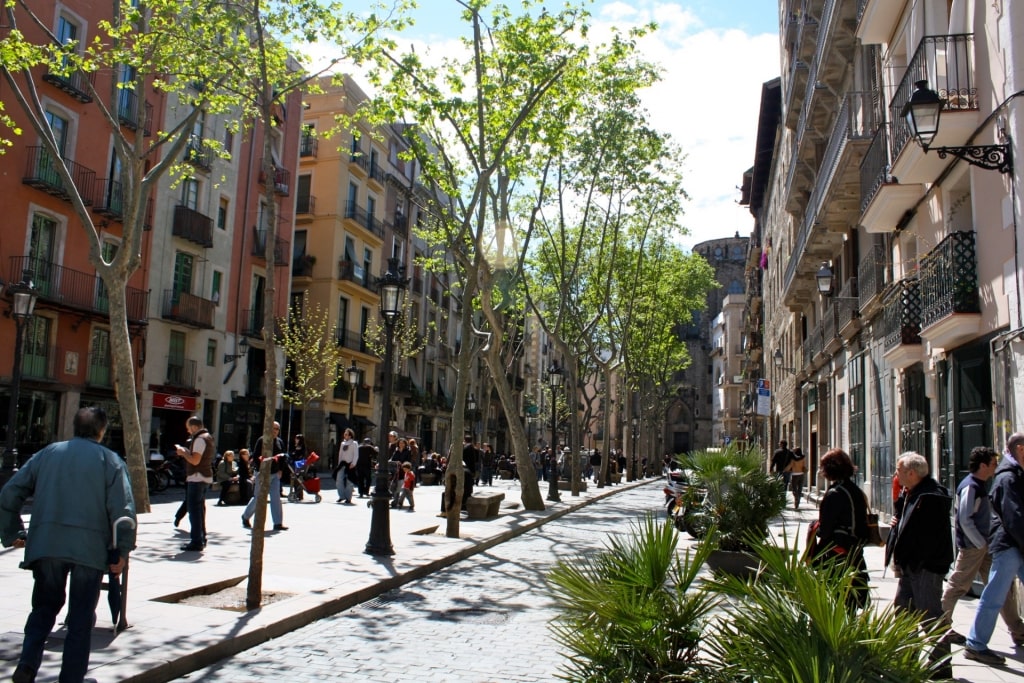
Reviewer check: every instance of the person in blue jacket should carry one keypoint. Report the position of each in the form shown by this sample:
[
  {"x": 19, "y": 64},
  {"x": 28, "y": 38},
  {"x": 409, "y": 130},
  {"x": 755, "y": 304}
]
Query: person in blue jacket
[
  {"x": 79, "y": 490},
  {"x": 1005, "y": 543}
]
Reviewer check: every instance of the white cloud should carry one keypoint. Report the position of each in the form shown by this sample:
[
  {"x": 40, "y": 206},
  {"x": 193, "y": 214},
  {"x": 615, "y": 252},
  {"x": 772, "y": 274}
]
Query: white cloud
[{"x": 708, "y": 100}]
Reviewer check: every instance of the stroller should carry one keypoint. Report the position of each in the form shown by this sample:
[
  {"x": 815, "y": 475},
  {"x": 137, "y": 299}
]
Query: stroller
[{"x": 305, "y": 480}]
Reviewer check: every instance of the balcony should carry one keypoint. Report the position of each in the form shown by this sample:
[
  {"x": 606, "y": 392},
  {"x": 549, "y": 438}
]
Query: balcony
[
  {"x": 400, "y": 225},
  {"x": 847, "y": 305},
  {"x": 193, "y": 226},
  {"x": 359, "y": 163},
  {"x": 351, "y": 339},
  {"x": 813, "y": 346},
  {"x": 303, "y": 266},
  {"x": 133, "y": 116},
  {"x": 375, "y": 175},
  {"x": 305, "y": 206},
  {"x": 307, "y": 145},
  {"x": 181, "y": 372},
  {"x": 871, "y": 279},
  {"x": 359, "y": 216},
  {"x": 835, "y": 197},
  {"x": 354, "y": 272},
  {"x": 41, "y": 173},
  {"x": 947, "y": 63},
  {"x": 40, "y": 361},
  {"x": 282, "y": 179},
  {"x": 901, "y": 323},
  {"x": 188, "y": 308},
  {"x": 198, "y": 154},
  {"x": 950, "y": 304},
  {"x": 252, "y": 323},
  {"x": 884, "y": 201},
  {"x": 109, "y": 203},
  {"x": 259, "y": 247},
  {"x": 76, "y": 290},
  {"x": 75, "y": 83}
]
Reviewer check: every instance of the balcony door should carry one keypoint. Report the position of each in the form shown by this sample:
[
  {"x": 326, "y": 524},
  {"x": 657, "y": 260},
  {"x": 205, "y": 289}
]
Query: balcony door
[
  {"x": 41, "y": 248},
  {"x": 176, "y": 358},
  {"x": 915, "y": 420},
  {"x": 965, "y": 394},
  {"x": 184, "y": 269},
  {"x": 35, "y": 361}
]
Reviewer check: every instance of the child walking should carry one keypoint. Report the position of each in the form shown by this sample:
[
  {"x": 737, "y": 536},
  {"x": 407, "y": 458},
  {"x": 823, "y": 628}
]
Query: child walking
[{"x": 408, "y": 484}]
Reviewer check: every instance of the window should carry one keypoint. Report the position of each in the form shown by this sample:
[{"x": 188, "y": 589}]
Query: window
[
  {"x": 67, "y": 32},
  {"x": 41, "y": 247},
  {"x": 35, "y": 361},
  {"x": 373, "y": 161},
  {"x": 371, "y": 209},
  {"x": 190, "y": 193},
  {"x": 299, "y": 244},
  {"x": 98, "y": 372},
  {"x": 183, "y": 269},
  {"x": 367, "y": 262},
  {"x": 354, "y": 149},
  {"x": 222, "y": 214},
  {"x": 302, "y": 202},
  {"x": 211, "y": 352},
  {"x": 215, "y": 287},
  {"x": 350, "y": 249},
  {"x": 229, "y": 140},
  {"x": 342, "y": 317},
  {"x": 60, "y": 127},
  {"x": 353, "y": 197}
]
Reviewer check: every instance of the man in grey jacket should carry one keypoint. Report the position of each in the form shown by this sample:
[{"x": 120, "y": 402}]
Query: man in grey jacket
[{"x": 79, "y": 489}]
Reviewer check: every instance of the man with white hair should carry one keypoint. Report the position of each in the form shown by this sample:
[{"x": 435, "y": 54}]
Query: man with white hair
[{"x": 921, "y": 544}]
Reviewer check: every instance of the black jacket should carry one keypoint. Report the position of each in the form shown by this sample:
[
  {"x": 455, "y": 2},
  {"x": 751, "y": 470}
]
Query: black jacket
[
  {"x": 843, "y": 516},
  {"x": 922, "y": 538},
  {"x": 1007, "y": 497}
]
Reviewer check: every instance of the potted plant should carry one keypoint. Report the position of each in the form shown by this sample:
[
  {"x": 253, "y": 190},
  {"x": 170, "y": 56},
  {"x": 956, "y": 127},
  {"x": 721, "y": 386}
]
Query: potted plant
[{"x": 741, "y": 498}]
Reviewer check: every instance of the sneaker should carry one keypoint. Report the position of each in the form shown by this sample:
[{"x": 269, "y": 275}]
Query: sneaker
[
  {"x": 953, "y": 638},
  {"x": 280, "y": 527},
  {"x": 246, "y": 523},
  {"x": 985, "y": 656},
  {"x": 193, "y": 547}
]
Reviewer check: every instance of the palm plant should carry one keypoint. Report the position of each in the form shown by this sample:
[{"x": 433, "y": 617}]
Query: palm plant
[
  {"x": 628, "y": 613},
  {"x": 741, "y": 497},
  {"x": 793, "y": 625}
]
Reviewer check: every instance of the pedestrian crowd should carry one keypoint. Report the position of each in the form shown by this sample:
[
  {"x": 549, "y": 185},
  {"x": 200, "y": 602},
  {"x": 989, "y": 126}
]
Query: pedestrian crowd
[{"x": 985, "y": 538}]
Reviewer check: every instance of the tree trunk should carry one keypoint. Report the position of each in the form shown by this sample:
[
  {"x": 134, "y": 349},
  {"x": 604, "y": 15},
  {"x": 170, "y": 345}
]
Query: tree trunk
[
  {"x": 254, "y": 588},
  {"x": 455, "y": 474}
]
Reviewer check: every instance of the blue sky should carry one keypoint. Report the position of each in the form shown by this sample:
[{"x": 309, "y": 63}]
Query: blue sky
[{"x": 715, "y": 55}]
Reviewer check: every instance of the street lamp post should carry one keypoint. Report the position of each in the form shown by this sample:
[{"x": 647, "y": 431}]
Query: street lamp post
[
  {"x": 23, "y": 296},
  {"x": 554, "y": 381},
  {"x": 392, "y": 292},
  {"x": 471, "y": 410},
  {"x": 352, "y": 376}
]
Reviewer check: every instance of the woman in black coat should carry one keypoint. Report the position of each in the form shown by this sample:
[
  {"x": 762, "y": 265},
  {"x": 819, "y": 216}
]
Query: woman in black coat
[{"x": 843, "y": 522}]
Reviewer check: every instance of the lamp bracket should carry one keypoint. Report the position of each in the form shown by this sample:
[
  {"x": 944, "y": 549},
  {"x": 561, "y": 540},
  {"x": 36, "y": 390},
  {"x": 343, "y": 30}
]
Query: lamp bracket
[{"x": 991, "y": 157}]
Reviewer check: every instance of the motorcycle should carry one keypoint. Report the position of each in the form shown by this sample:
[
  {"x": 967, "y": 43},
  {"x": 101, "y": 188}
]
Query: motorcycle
[{"x": 686, "y": 505}]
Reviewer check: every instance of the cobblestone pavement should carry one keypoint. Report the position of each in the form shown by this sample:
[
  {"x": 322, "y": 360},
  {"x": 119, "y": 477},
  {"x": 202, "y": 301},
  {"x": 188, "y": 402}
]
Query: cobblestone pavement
[{"x": 463, "y": 624}]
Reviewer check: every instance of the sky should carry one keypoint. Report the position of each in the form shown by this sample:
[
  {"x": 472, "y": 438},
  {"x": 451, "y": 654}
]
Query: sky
[{"x": 715, "y": 56}]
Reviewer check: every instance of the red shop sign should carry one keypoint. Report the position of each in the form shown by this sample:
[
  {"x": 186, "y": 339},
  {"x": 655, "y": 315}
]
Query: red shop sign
[{"x": 174, "y": 402}]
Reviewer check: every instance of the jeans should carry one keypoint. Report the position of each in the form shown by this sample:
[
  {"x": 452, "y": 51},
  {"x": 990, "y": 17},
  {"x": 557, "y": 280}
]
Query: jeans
[
  {"x": 195, "y": 501},
  {"x": 1006, "y": 565},
  {"x": 48, "y": 597},
  {"x": 276, "y": 511},
  {"x": 344, "y": 484},
  {"x": 969, "y": 563}
]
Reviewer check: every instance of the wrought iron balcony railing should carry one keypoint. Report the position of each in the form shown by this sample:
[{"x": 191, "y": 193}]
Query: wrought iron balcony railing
[
  {"x": 949, "y": 279},
  {"x": 305, "y": 204},
  {"x": 76, "y": 289},
  {"x": 188, "y": 308},
  {"x": 41, "y": 173},
  {"x": 359, "y": 215},
  {"x": 109, "y": 202},
  {"x": 351, "y": 339},
  {"x": 282, "y": 180},
  {"x": 181, "y": 372},
  {"x": 252, "y": 323},
  {"x": 193, "y": 226},
  {"x": 947, "y": 63},
  {"x": 307, "y": 145},
  {"x": 354, "y": 272},
  {"x": 75, "y": 83},
  {"x": 871, "y": 274},
  {"x": 198, "y": 154},
  {"x": 133, "y": 116},
  {"x": 901, "y": 317},
  {"x": 302, "y": 266},
  {"x": 259, "y": 247}
]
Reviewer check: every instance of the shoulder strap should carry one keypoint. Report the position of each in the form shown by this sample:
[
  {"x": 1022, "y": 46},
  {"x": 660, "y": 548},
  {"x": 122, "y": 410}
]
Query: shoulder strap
[{"x": 853, "y": 511}]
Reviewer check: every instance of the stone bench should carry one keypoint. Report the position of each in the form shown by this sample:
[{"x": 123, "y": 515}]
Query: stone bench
[
  {"x": 484, "y": 505},
  {"x": 504, "y": 474},
  {"x": 428, "y": 478}
]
